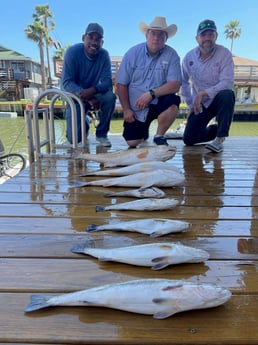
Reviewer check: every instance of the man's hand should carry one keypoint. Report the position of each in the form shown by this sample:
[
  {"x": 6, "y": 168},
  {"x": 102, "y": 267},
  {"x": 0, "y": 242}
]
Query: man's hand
[
  {"x": 143, "y": 101},
  {"x": 87, "y": 94},
  {"x": 129, "y": 116},
  {"x": 198, "y": 102}
]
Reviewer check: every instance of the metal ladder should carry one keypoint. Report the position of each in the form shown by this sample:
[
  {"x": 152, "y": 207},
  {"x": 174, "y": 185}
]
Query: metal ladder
[{"x": 31, "y": 117}]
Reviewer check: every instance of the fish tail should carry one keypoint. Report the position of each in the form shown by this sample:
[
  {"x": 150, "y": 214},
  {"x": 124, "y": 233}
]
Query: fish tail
[
  {"x": 81, "y": 247},
  {"x": 92, "y": 227},
  {"x": 100, "y": 208},
  {"x": 37, "y": 302}
]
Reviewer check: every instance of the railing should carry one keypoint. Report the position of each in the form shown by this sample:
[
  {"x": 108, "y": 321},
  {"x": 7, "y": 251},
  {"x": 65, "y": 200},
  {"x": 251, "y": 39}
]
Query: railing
[{"x": 34, "y": 136}]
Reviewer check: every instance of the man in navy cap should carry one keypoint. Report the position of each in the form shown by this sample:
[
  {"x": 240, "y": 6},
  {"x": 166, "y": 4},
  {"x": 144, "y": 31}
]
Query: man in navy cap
[
  {"x": 87, "y": 73},
  {"x": 207, "y": 88}
]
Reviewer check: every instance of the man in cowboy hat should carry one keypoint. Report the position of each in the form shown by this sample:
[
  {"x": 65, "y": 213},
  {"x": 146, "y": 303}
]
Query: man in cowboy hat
[
  {"x": 148, "y": 79},
  {"x": 207, "y": 87}
]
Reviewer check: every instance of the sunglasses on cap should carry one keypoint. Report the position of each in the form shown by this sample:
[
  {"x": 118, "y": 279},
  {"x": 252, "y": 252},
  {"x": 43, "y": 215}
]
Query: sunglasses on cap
[{"x": 207, "y": 25}]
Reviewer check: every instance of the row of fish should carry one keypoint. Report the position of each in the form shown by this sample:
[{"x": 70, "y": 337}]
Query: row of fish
[{"x": 146, "y": 169}]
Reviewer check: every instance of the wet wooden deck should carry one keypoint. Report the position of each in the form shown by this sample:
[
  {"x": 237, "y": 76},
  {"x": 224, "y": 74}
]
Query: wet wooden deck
[{"x": 42, "y": 218}]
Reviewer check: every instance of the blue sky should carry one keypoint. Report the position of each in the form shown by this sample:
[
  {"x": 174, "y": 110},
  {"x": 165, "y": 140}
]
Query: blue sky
[{"x": 120, "y": 20}]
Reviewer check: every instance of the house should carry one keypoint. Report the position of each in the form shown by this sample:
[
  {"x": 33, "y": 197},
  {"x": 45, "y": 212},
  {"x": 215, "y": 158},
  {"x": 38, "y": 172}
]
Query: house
[
  {"x": 18, "y": 74},
  {"x": 246, "y": 80}
]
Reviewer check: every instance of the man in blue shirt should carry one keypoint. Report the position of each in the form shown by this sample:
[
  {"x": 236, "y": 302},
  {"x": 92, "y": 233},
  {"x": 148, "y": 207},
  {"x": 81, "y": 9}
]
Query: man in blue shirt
[
  {"x": 207, "y": 87},
  {"x": 148, "y": 79},
  {"x": 87, "y": 73}
]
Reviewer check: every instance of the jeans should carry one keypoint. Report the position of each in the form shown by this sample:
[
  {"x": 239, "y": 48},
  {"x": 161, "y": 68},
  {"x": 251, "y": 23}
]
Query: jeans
[
  {"x": 107, "y": 104},
  {"x": 222, "y": 107}
]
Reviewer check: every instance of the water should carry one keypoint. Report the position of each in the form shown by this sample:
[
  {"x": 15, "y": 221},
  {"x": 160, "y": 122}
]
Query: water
[{"x": 13, "y": 131}]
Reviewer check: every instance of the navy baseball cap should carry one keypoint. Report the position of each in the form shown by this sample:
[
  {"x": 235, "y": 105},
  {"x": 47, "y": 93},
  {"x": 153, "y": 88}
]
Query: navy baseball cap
[
  {"x": 94, "y": 27},
  {"x": 206, "y": 25}
]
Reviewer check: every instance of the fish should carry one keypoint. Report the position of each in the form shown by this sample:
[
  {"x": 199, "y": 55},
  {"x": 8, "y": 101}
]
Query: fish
[
  {"x": 134, "y": 168},
  {"x": 157, "y": 178},
  {"x": 158, "y": 297},
  {"x": 152, "y": 192},
  {"x": 150, "y": 204},
  {"x": 131, "y": 156},
  {"x": 154, "y": 227},
  {"x": 154, "y": 255}
]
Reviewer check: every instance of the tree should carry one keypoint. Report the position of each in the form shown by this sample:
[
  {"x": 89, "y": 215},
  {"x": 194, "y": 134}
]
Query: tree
[
  {"x": 232, "y": 31},
  {"x": 36, "y": 33},
  {"x": 43, "y": 15}
]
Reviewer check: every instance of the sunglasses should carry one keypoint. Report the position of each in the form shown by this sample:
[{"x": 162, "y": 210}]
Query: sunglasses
[{"x": 207, "y": 25}]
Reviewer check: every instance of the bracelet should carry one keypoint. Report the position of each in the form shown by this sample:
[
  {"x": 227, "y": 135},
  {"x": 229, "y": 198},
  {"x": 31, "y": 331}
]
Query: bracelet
[{"x": 152, "y": 93}]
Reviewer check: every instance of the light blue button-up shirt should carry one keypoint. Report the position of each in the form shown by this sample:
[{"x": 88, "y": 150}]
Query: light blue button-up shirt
[
  {"x": 211, "y": 75},
  {"x": 142, "y": 72}
]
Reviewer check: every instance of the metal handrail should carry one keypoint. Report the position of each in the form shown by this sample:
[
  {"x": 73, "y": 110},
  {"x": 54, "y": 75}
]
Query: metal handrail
[{"x": 33, "y": 132}]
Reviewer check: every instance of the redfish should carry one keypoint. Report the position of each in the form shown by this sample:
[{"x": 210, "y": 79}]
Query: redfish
[
  {"x": 158, "y": 297},
  {"x": 154, "y": 227},
  {"x": 157, "y": 178},
  {"x": 150, "y": 204},
  {"x": 154, "y": 255},
  {"x": 131, "y": 156},
  {"x": 135, "y": 168}
]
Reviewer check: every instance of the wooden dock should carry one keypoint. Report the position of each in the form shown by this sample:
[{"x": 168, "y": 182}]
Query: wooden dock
[{"x": 42, "y": 217}]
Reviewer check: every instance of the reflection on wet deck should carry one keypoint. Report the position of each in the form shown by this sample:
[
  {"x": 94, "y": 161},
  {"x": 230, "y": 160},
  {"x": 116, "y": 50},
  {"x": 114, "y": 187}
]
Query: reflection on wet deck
[{"x": 42, "y": 217}]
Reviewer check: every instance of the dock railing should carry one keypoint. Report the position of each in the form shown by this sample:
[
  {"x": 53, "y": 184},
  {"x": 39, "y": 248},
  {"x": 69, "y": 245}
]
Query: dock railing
[{"x": 34, "y": 137}]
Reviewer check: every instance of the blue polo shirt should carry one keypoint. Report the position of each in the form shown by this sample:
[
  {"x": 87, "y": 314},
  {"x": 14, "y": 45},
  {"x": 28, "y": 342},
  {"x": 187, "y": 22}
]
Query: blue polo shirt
[{"x": 142, "y": 72}]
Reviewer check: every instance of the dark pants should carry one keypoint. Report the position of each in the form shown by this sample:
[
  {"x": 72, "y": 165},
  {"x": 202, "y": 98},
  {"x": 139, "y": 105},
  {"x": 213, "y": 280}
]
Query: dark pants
[
  {"x": 140, "y": 130},
  {"x": 222, "y": 107}
]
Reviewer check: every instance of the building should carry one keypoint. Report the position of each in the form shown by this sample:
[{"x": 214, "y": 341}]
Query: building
[{"x": 18, "y": 74}]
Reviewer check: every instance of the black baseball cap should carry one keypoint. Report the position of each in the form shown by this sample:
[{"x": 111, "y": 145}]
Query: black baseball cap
[
  {"x": 206, "y": 25},
  {"x": 94, "y": 27}
]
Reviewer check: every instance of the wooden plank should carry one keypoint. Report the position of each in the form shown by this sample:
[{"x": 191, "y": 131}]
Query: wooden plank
[
  {"x": 233, "y": 323},
  {"x": 42, "y": 218},
  {"x": 59, "y": 246},
  {"x": 181, "y": 212},
  {"x": 67, "y": 275},
  {"x": 65, "y": 225}
]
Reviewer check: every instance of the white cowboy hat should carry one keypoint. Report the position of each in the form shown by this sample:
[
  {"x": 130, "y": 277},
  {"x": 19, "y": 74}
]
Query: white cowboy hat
[{"x": 159, "y": 23}]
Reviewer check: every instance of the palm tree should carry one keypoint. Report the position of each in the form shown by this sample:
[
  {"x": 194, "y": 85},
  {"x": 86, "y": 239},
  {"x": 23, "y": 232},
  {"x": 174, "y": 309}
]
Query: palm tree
[
  {"x": 42, "y": 16},
  {"x": 36, "y": 32},
  {"x": 232, "y": 31}
]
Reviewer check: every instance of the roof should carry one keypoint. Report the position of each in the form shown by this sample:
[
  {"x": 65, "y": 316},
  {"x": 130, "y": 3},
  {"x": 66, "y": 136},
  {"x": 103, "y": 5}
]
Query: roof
[
  {"x": 8, "y": 54},
  {"x": 239, "y": 61}
]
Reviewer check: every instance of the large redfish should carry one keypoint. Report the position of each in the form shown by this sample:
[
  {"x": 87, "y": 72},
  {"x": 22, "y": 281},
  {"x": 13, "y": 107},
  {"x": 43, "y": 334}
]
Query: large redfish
[
  {"x": 154, "y": 255},
  {"x": 157, "y": 178},
  {"x": 158, "y": 297},
  {"x": 135, "y": 168},
  {"x": 131, "y": 156}
]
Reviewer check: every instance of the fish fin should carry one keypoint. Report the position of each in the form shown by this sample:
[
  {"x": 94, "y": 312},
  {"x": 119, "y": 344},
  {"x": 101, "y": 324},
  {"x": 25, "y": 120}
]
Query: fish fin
[
  {"x": 160, "y": 262},
  {"x": 100, "y": 208},
  {"x": 162, "y": 315},
  {"x": 37, "y": 302},
  {"x": 92, "y": 227}
]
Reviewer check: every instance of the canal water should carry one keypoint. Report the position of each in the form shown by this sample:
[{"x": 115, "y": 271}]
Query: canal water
[{"x": 13, "y": 131}]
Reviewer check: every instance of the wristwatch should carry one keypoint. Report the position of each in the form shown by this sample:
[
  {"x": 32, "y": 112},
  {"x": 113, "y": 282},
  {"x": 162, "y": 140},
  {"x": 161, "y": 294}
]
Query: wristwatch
[{"x": 152, "y": 93}]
